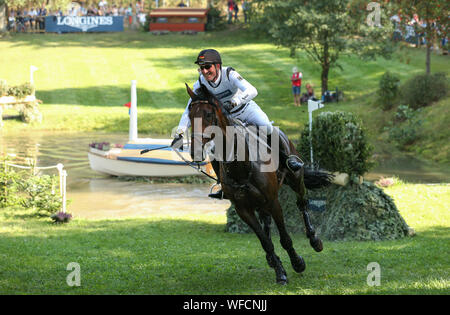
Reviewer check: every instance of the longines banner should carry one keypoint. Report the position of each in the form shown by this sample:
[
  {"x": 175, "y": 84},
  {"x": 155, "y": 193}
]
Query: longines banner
[{"x": 69, "y": 24}]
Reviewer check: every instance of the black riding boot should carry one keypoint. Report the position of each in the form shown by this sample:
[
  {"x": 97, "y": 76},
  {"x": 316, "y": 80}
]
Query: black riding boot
[{"x": 219, "y": 194}]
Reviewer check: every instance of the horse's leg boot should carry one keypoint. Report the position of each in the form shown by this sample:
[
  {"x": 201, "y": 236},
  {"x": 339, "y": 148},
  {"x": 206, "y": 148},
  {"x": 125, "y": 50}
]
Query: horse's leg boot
[{"x": 293, "y": 163}]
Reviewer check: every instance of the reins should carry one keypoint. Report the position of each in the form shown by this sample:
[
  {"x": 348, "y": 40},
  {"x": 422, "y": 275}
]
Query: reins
[{"x": 191, "y": 164}]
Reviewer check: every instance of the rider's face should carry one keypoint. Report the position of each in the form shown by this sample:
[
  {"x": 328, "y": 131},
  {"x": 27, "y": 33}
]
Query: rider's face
[{"x": 209, "y": 71}]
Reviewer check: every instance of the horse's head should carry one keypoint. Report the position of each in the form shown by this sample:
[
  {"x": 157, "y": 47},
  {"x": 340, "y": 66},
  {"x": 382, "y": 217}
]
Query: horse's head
[{"x": 204, "y": 111}]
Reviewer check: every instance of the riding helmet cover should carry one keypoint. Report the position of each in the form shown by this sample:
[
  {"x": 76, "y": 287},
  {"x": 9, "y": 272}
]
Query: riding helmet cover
[{"x": 208, "y": 56}]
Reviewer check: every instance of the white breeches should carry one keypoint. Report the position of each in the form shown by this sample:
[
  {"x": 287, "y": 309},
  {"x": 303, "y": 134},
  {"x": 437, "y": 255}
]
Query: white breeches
[{"x": 253, "y": 115}]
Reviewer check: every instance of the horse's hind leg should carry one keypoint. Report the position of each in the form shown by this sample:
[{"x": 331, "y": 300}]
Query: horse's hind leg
[
  {"x": 249, "y": 217},
  {"x": 297, "y": 261}
]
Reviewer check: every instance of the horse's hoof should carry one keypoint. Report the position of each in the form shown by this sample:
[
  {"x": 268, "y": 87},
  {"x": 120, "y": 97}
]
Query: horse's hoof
[
  {"x": 282, "y": 281},
  {"x": 299, "y": 265},
  {"x": 316, "y": 243}
]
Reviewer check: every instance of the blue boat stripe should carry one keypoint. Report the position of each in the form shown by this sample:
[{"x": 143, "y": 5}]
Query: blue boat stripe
[
  {"x": 153, "y": 160},
  {"x": 132, "y": 146}
]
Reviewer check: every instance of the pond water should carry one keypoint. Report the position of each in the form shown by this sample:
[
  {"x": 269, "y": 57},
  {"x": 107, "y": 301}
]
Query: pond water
[{"x": 98, "y": 196}]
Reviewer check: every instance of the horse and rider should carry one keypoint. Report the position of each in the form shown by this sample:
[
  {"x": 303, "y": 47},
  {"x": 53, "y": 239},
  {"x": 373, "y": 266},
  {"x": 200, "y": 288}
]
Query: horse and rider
[
  {"x": 221, "y": 97},
  {"x": 236, "y": 95}
]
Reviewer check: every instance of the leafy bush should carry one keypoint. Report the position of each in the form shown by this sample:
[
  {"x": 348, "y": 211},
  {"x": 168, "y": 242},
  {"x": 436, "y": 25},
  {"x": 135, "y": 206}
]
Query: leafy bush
[
  {"x": 27, "y": 88},
  {"x": 406, "y": 133},
  {"x": 38, "y": 193},
  {"x": 9, "y": 187},
  {"x": 423, "y": 89},
  {"x": 404, "y": 112},
  {"x": 216, "y": 20},
  {"x": 404, "y": 130},
  {"x": 17, "y": 91},
  {"x": 388, "y": 90},
  {"x": 339, "y": 143}
]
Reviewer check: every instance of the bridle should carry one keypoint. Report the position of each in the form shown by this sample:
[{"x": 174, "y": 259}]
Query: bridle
[{"x": 210, "y": 119}]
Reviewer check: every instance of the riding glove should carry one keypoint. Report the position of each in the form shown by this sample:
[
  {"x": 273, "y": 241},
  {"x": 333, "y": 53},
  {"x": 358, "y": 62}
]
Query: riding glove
[{"x": 177, "y": 141}]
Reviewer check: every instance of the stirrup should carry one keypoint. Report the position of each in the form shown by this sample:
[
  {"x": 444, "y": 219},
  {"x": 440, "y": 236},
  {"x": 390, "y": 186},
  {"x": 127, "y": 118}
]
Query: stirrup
[
  {"x": 299, "y": 160},
  {"x": 216, "y": 194}
]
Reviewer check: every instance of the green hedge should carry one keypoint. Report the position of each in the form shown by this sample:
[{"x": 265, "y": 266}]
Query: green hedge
[
  {"x": 424, "y": 89},
  {"x": 361, "y": 212},
  {"x": 388, "y": 90},
  {"x": 339, "y": 143}
]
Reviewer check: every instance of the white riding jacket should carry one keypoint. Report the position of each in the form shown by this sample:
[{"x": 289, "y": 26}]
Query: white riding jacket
[{"x": 236, "y": 95}]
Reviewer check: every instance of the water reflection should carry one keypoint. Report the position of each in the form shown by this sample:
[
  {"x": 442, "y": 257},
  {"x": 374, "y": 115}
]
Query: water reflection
[{"x": 95, "y": 195}]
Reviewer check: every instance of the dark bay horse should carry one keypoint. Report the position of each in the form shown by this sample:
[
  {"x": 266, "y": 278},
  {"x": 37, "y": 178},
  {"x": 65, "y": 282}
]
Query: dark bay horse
[{"x": 252, "y": 190}]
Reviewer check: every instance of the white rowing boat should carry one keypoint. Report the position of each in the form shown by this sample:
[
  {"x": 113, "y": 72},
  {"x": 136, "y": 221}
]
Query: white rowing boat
[{"x": 128, "y": 161}]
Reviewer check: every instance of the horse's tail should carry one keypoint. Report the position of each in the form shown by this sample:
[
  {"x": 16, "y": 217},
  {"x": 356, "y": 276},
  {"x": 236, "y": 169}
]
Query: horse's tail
[{"x": 316, "y": 178}]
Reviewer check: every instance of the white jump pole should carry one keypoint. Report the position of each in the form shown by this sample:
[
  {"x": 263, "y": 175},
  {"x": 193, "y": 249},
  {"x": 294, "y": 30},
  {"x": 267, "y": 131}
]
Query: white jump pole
[
  {"x": 64, "y": 201},
  {"x": 32, "y": 69},
  {"x": 312, "y": 106},
  {"x": 133, "y": 134},
  {"x": 62, "y": 184}
]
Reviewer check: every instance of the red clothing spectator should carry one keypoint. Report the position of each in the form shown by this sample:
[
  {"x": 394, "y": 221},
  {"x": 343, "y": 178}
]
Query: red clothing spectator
[
  {"x": 230, "y": 10},
  {"x": 296, "y": 80}
]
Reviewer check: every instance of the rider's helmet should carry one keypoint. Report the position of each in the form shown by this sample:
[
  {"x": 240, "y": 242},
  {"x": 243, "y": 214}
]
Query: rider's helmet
[{"x": 211, "y": 56}]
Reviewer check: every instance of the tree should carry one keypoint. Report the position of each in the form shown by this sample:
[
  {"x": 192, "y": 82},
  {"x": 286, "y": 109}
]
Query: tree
[
  {"x": 326, "y": 29},
  {"x": 433, "y": 13}
]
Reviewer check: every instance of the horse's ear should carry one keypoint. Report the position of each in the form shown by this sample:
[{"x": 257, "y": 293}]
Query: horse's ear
[{"x": 189, "y": 91}]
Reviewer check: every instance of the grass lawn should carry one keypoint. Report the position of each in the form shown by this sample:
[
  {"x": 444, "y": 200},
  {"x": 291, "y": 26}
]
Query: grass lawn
[
  {"x": 84, "y": 79},
  {"x": 193, "y": 255}
]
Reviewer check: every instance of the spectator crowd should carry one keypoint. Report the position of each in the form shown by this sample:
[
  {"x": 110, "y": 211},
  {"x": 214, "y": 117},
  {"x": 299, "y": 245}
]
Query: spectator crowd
[
  {"x": 414, "y": 31},
  {"x": 233, "y": 10},
  {"x": 33, "y": 19}
]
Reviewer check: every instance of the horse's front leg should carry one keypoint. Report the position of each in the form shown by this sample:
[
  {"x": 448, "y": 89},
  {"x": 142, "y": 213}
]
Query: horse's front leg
[
  {"x": 315, "y": 242},
  {"x": 266, "y": 221},
  {"x": 297, "y": 261},
  {"x": 298, "y": 186},
  {"x": 249, "y": 217}
]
